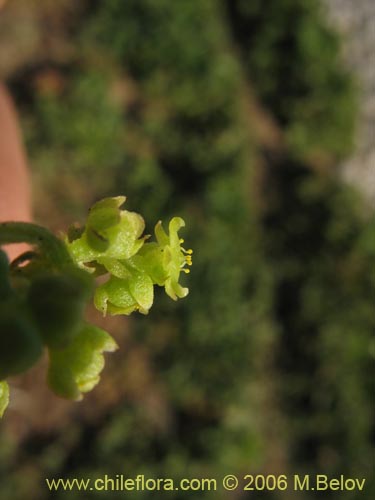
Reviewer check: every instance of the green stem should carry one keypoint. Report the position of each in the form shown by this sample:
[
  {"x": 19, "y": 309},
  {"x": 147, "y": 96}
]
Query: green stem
[{"x": 24, "y": 232}]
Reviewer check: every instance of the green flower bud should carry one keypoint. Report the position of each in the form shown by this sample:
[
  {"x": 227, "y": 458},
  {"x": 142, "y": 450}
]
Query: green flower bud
[
  {"x": 57, "y": 302},
  {"x": 20, "y": 343},
  {"x": 109, "y": 232}
]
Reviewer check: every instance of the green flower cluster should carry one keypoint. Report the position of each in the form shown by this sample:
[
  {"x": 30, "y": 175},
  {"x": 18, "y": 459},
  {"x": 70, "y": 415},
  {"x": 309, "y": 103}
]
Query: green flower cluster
[
  {"x": 43, "y": 293},
  {"x": 112, "y": 243}
]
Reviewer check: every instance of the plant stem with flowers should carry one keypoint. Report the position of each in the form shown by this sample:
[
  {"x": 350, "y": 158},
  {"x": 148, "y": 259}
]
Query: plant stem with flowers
[{"x": 44, "y": 292}]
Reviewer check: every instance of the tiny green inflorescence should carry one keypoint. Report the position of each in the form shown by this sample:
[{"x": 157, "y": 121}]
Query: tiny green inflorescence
[{"x": 44, "y": 292}]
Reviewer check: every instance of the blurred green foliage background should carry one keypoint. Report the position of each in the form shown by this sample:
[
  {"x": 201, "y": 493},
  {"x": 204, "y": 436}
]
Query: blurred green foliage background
[{"x": 234, "y": 115}]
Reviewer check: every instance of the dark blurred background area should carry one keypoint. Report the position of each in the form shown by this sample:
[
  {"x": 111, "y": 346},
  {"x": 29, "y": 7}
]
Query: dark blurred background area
[{"x": 251, "y": 119}]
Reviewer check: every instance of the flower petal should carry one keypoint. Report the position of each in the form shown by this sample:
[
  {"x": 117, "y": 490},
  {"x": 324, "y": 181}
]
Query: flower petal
[
  {"x": 175, "y": 290},
  {"x": 161, "y": 236},
  {"x": 105, "y": 213},
  {"x": 175, "y": 225}
]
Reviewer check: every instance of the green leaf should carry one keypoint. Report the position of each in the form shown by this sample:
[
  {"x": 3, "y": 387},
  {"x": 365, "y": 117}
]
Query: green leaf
[
  {"x": 4, "y": 397},
  {"x": 76, "y": 369}
]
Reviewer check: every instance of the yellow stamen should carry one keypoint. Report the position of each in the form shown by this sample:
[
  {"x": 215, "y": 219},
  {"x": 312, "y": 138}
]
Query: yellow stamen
[
  {"x": 186, "y": 252},
  {"x": 182, "y": 240},
  {"x": 186, "y": 271}
]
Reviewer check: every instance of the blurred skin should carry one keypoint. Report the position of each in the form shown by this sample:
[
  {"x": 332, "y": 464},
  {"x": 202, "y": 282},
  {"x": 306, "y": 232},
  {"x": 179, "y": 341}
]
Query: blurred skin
[{"x": 15, "y": 196}]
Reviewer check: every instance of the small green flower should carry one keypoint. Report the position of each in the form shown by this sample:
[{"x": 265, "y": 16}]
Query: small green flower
[
  {"x": 109, "y": 232},
  {"x": 166, "y": 259}
]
